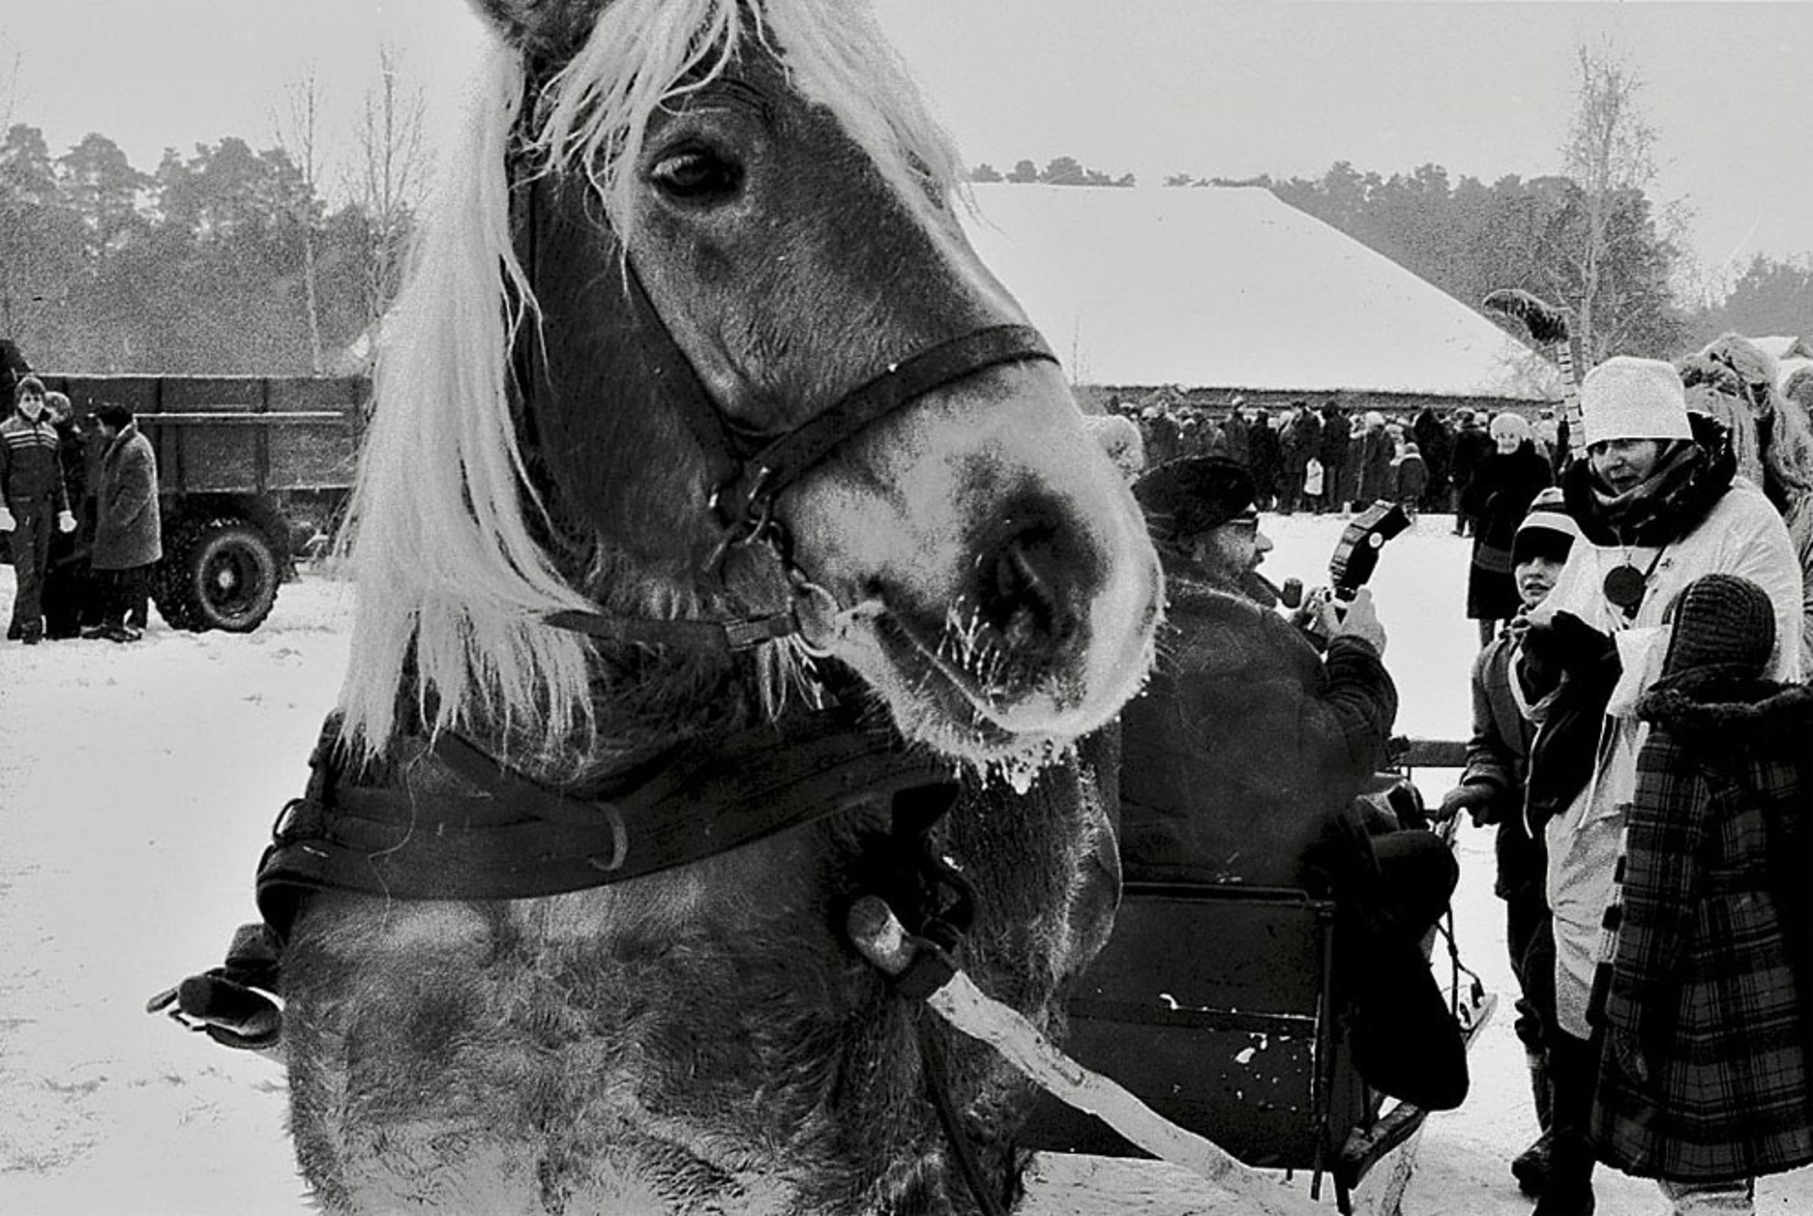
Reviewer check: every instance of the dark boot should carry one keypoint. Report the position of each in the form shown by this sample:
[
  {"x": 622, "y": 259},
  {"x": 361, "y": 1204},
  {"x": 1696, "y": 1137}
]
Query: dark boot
[
  {"x": 1569, "y": 1188},
  {"x": 1531, "y": 1167}
]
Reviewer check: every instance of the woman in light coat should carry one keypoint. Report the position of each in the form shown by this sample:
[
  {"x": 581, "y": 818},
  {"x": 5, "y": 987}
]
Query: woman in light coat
[{"x": 1659, "y": 504}]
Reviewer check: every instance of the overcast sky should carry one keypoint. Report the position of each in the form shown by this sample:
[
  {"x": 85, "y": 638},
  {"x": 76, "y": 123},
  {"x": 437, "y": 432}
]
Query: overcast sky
[{"x": 1144, "y": 86}]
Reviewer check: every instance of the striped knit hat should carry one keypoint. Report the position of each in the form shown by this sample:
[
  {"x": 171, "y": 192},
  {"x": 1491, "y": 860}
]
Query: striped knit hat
[
  {"x": 1721, "y": 620},
  {"x": 1547, "y": 530}
]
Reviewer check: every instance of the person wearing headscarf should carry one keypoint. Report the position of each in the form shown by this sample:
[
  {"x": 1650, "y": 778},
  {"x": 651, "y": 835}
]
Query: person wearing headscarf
[
  {"x": 1491, "y": 791},
  {"x": 1704, "y": 997},
  {"x": 1735, "y": 382},
  {"x": 1504, "y": 483},
  {"x": 1659, "y": 503},
  {"x": 1243, "y": 759}
]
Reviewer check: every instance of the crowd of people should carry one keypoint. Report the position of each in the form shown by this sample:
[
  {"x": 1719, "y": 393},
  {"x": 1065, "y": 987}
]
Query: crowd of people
[
  {"x": 79, "y": 511},
  {"x": 1335, "y": 459},
  {"x": 1639, "y": 740}
]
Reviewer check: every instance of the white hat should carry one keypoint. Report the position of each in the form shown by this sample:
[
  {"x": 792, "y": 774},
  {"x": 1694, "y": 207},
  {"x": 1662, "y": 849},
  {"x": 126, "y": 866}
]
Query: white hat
[
  {"x": 1629, "y": 398},
  {"x": 1514, "y": 425}
]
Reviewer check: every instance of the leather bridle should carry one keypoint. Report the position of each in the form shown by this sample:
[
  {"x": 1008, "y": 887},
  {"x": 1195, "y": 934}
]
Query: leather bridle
[{"x": 750, "y": 474}]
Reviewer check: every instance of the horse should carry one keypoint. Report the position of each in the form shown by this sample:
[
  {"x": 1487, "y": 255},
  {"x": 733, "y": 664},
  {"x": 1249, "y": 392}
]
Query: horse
[{"x": 728, "y": 548}]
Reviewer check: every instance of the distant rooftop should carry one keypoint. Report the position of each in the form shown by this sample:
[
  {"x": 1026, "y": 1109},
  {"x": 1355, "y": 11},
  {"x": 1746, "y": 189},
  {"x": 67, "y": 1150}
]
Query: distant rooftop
[{"x": 1208, "y": 287}]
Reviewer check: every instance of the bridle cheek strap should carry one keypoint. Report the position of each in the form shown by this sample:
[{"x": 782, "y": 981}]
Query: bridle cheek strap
[{"x": 747, "y": 500}]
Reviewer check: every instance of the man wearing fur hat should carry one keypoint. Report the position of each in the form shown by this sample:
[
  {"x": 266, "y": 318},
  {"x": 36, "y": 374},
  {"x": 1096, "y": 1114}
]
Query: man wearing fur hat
[
  {"x": 1704, "y": 1077},
  {"x": 1659, "y": 504},
  {"x": 1243, "y": 759}
]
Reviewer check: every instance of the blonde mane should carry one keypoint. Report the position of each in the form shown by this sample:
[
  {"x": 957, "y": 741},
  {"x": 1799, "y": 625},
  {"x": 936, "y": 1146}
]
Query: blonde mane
[{"x": 449, "y": 574}]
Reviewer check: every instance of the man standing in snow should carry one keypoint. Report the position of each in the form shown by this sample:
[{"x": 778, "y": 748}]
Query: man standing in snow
[
  {"x": 1243, "y": 760},
  {"x": 127, "y": 536},
  {"x": 33, "y": 499}
]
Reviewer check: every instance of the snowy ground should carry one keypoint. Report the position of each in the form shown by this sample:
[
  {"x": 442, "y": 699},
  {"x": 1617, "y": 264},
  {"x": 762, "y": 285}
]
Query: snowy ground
[{"x": 138, "y": 784}]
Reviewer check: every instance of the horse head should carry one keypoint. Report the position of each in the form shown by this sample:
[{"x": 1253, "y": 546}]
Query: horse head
[{"x": 723, "y": 220}]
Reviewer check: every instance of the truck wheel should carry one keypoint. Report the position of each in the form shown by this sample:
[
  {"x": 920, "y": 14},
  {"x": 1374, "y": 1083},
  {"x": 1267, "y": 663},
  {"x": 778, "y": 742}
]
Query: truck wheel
[
  {"x": 229, "y": 575},
  {"x": 171, "y": 588}
]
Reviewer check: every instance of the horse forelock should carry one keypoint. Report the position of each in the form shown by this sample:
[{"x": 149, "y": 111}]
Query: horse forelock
[
  {"x": 438, "y": 530},
  {"x": 644, "y": 54}
]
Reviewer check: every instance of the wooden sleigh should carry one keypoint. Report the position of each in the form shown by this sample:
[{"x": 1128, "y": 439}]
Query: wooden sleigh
[{"x": 1213, "y": 1004}]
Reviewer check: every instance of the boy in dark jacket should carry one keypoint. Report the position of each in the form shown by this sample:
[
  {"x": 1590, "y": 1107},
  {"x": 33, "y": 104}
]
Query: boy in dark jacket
[
  {"x": 1491, "y": 790},
  {"x": 33, "y": 500}
]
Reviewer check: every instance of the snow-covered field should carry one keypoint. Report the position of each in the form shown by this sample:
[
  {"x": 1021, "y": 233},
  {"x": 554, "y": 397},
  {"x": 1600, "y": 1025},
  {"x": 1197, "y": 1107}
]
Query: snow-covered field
[{"x": 137, "y": 787}]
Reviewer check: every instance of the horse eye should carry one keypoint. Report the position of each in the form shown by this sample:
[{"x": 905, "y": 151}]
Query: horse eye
[{"x": 697, "y": 177}]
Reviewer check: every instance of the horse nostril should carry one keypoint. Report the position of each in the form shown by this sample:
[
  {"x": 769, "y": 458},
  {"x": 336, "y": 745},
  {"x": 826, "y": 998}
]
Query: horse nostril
[{"x": 1023, "y": 586}]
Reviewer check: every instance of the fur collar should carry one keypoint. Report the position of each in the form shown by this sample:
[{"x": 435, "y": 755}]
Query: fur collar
[
  {"x": 1761, "y": 710},
  {"x": 1675, "y": 513}
]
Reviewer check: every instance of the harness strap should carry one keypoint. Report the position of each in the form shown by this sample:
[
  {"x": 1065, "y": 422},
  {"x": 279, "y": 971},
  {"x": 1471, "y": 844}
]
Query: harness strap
[
  {"x": 723, "y": 637},
  {"x": 518, "y": 839}
]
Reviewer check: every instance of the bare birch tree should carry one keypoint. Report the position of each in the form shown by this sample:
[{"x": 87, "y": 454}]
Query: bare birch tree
[
  {"x": 296, "y": 132},
  {"x": 1609, "y": 154},
  {"x": 391, "y": 176}
]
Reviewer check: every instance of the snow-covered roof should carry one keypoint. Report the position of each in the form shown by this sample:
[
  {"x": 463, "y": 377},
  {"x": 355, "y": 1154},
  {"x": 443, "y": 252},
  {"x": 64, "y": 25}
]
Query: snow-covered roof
[{"x": 1208, "y": 287}]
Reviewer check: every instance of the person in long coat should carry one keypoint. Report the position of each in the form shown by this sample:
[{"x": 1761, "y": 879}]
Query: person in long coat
[
  {"x": 1469, "y": 450},
  {"x": 1703, "y": 1080},
  {"x": 1331, "y": 449},
  {"x": 1433, "y": 439},
  {"x": 1659, "y": 503},
  {"x": 128, "y": 538},
  {"x": 1498, "y": 495},
  {"x": 1301, "y": 441},
  {"x": 1373, "y": 471},
  {"x": 67, "y": 578},
  {"x": 1265, "y": 457}
]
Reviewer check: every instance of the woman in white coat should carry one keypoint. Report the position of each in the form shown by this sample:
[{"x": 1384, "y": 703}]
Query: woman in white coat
[{"x": 1659, "y": 503}]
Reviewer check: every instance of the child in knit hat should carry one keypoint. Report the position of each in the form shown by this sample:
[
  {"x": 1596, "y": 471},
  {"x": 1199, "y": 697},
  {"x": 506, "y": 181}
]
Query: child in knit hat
[
  {"x": 1702, "y": 997},
  {"x": 1491, "y": 790}
]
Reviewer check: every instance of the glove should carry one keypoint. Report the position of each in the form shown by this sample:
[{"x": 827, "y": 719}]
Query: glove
[
  {"x": 65, "y": 522},
  {"x": 1474, "y": 798},
  {"x": 7, "y": 522},
  {"x": 1569, "y": 643}
]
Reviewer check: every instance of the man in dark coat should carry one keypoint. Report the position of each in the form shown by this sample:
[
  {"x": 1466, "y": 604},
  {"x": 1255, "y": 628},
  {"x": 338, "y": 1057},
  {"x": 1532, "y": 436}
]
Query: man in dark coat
[
  {"x": 1703, "y": 1008},
  {"x": 1433, "y": 440},
  {"x": 128, "y": 538},
  {"x": 1243, "y": 759},
  {"x": 67, "y": 601},
  {"x": 1472, "y": 444},
  {"x": 33, "y": 501},
  {"x": 1266, "y": 459},
  {"x": 1299, "y": 443},
  {"x": 1331, "y": 449}
]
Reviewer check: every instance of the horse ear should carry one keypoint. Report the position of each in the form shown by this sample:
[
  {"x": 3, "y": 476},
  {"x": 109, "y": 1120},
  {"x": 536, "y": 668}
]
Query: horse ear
[{"x": 546, "y": 29}]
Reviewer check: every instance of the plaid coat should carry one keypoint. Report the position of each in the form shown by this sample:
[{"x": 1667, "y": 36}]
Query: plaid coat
[{"x": 1704, "y": 1076}]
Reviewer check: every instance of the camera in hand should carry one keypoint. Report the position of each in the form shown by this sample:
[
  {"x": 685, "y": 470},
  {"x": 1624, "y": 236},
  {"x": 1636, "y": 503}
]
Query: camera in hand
[{"x": 1357, "y": 553}]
